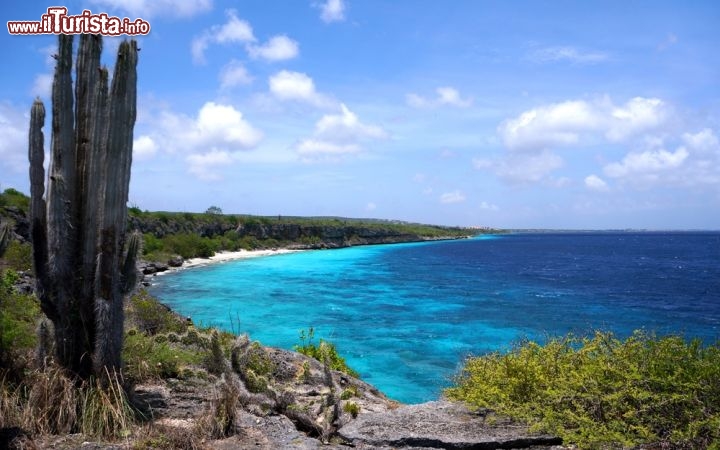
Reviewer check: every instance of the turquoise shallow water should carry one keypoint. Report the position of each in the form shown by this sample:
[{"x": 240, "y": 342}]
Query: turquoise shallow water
[{"x": 406, "y": 315}]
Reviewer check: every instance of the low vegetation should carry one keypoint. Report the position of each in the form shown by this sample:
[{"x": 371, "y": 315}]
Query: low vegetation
[
  {"x": 603, "y": 392},
  {"x": 323, "y": 351}
]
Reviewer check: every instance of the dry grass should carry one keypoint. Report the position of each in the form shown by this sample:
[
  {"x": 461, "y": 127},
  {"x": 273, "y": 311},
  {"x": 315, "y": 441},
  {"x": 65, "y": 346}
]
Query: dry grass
[
  {"x": 50, "y": 402},
  {"x": 219, "y": 420}
]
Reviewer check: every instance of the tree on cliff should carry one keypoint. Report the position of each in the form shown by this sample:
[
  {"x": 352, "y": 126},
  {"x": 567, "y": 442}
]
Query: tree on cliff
[{"x": 78, "y": 228}]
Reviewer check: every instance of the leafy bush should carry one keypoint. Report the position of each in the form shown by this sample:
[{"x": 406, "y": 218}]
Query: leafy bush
[
  {"x": 147, "y": 359},
  {"x": 601, "y": 392},
  {"x": 19, "y": 314},
  {"x": 14, "y": 198},
  {"x": 325, "y": 352},
  {"x": 152, "y": 317},
  {"x": 151, "y": 244},
  {"x": 18, "y": 256}
]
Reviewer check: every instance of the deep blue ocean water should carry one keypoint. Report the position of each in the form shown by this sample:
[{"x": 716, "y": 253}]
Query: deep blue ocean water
[{"x": 406, "y": 315}]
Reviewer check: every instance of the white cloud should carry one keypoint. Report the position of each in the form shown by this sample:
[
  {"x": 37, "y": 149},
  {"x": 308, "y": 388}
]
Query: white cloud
[
  {"x": 217, "y": 130},
  {"x": 452, "y": 197},
  {"x": 233, "y": 74},
  {"x": 332, "y": 11},
  {"x": 569, "y": 54},
  {"x": 693, "y": 163},
  {"x": 370, "y": 207},
  {"x": 278, "y": 48},
  {"x": 446, "y": 96},
  {"x": 346, "y": 126},
  {"x": 637, "y": 115},
  {"x": 14, "y": 140},
  {"x": 647, "y": 162},
  {"x": 703, "y": 141},
  {"x": 144, "y": 147},
  {"x": 296, "y": 86},
  {"x": 339, "y": 134},
  {"x": 145, "y": 9},
  {"x": 450, "y": 96},
  {"x": 595, "y": 183},
  {"x": 575, "y": 121},
  {"x": 205, "y": 165},
  {"x": 549, "y": 126},
  {"x": 234, "y": 30}
]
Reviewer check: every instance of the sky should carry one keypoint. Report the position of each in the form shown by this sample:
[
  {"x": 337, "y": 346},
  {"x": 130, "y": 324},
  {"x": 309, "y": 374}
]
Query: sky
[{"x": 512, "y": 114}]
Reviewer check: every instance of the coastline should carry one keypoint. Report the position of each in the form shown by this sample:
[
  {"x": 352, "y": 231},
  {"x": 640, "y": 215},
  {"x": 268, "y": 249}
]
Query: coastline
[{"x": 225, "y": 256}]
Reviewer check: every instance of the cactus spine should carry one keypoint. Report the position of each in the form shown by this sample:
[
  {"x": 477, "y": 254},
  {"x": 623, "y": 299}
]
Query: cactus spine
[{"x": 78, "y": 230}]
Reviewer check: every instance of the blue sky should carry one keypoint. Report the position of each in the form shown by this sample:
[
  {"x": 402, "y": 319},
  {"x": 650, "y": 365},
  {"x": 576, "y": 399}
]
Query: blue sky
[{"x": 547, "y": 114}]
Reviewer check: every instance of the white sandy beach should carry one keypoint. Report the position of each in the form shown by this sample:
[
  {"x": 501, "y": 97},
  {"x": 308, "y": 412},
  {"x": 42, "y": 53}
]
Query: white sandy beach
[{"x": 230, "y": 256}]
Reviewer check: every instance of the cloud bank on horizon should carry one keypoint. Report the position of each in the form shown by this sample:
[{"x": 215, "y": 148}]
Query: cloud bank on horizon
[{"x": 567, "y": 115}]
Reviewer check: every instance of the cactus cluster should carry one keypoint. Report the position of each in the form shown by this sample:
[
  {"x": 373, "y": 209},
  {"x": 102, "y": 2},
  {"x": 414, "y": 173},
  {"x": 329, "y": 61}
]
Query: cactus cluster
[{"x": 78, "y": 225}]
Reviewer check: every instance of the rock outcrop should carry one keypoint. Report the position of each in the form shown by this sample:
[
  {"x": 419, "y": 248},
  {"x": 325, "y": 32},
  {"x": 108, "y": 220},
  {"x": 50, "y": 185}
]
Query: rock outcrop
[{"x": 440, "y": 424}]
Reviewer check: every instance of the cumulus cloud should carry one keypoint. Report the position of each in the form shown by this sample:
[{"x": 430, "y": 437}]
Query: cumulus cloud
[
  {"x": 234, "y": 30},
  {"x": 205, "y": 165},
  {"x": 452, "y": 197},
  {"x": 446, "y": 96},
  {"x": 532, "y": 137},
  {"x": 144, "y": 147},
  {"x": 233, "y": 74},
  {"x": 151, "y": 8},
  {"x": 647, "y": 162},
  {"x": 703, "y": 141},
  {"x": 296, "y": 86},
  {"x": 694, "y": 162},
  {"x": 278, "y": 48},
  {"x": 595, "y": 183},
  {"x": 339, "y": 134},
  {"x": 568, "y": 54},
  {"x": 332, "y": 11},
  {"x": 217, "y": 134},
  {"x": 567, "y": 123}
]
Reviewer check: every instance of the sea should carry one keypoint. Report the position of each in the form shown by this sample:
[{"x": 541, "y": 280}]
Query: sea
[{"x": 406, "y": 316}]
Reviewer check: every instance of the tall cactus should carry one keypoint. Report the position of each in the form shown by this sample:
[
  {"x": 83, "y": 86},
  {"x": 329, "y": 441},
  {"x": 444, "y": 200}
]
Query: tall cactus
[
  {"x": 78, "y": 231},
  {"x": 5, "y": 231}
]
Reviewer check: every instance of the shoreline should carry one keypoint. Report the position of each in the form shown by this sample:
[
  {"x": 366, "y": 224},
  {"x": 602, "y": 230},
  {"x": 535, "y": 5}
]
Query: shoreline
[{"x": 225, "y": 256}]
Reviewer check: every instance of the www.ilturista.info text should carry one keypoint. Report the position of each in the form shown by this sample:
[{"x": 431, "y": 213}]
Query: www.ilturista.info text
[{"x": 57, "y": 21}]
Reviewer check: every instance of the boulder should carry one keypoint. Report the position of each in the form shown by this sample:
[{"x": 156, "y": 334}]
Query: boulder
[{"x": 176, "y": 261}]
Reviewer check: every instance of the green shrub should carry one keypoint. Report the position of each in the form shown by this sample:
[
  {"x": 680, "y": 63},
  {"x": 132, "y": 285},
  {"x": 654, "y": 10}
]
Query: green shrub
[
  {"x": 14, "y": 198},
  {"x": 18, "y": 256},
  {"x": 146, "y": 359},
  {"x": 152, "y": 317},
  {"x": 325, "y": 352},
  {"x": 19, "y": 315},
  {"x": 151, "y": 244},
  {"x": 601, "y": 392}
]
